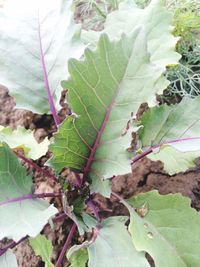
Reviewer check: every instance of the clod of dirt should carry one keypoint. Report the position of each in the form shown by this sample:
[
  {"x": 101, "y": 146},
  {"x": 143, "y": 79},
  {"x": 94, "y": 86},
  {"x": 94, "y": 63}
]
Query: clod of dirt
[{"x": 26, "y": 257}]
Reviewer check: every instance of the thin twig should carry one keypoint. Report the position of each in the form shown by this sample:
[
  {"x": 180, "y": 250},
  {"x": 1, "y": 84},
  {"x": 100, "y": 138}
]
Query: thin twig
[{"x": 66, "y": 245}]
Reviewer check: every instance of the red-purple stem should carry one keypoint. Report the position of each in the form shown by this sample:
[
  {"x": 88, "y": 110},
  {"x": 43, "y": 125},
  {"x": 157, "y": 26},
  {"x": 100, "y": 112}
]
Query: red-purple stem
[
  {"x": 28, "y": 197},
  {"x": 46, "y": 81},
  {"x": 142, "y": 155},
  {"x": 11, "y": 245},
  {"x": 99, "y": 134},
  {"x": 66, "y": 245},
  {"x": 151, "y": 149},
  {"x": 35, "y": 166}
]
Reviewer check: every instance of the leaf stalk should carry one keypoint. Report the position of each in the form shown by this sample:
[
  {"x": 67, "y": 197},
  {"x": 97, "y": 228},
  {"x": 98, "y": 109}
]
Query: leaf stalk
[
  {"x": 35, "y": 166},
  {"x": 66, "y": 245},
  {"x": 46, "y": 81},
  {"x": 29, "y": 197}
]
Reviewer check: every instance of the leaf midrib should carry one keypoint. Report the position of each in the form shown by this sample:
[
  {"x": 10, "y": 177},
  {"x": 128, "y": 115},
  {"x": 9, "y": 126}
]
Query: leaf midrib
[{"x": 106, "y": 118}]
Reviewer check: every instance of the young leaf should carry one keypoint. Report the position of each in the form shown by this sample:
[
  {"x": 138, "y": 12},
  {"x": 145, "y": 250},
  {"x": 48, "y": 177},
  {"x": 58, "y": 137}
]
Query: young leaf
[
  {"x": 24, "y": 139},
  {"x": 157, "y": 20},
  {"x": 104, "y": 90},
  {"x": 176, "y": 129},
  {"x": 79, "y": 259},
  {"x": 19, "y": 218},
  {"x": 43, "y": 248},
  {"x": 8, "y": 259},
  {"x": 113, "y": 246},
  {"x": 37, "y": 38},
  {"x": 168, "y": 229}
]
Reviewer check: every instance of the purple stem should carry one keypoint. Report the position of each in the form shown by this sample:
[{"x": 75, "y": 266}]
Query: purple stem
[
  {"x": 99, "y": 134},
  {"x": 11, "y": 245},
  {"x": 35, "y": 166},
  {"x": 29, "y": 196},
  {"x": 151, "y": 149},
  {"x": 46, "y": 81},
  {"x": 142, "y": 155},
  {"x": 66, "y": 245}
]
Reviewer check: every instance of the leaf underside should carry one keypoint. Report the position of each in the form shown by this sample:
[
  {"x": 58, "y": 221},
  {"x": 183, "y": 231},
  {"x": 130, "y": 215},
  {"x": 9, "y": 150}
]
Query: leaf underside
[
  {"x": 25, "y": 140},
  {"x": 21, "y": 218},
  {"x": 176, "y": 122},
  {"x": 169, "y": 231},
  {"x": 8, "y": 260},
  {"x": 33, "y": 32}
]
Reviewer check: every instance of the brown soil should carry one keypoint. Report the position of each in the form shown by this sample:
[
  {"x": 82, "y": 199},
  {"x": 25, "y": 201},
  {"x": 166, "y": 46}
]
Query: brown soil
[{"x": 146, "y": 175}]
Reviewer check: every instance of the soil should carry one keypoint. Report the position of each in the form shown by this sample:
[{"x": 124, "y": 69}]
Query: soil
[{"x": 146, "y": 175}]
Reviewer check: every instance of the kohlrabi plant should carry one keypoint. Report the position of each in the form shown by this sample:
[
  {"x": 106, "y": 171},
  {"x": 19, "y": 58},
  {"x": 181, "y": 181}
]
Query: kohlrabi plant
[{"x": 107, "y": 76}]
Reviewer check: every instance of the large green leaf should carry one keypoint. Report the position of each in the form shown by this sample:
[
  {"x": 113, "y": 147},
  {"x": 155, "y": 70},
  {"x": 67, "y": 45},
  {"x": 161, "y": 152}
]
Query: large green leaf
[
  {"x": 43, "y": 248},
  {"x": 19, "y": 218},
  {"x": 105, "y": 89},
  {"x": 167, "y": 123},
  {"x": 24, "y": 139},
  {"x": 37, "y": 39},
  {"x": 157, "y": 21},
  {"x": 113, "y": 247},
  {"x": 8, "y": 260},
  {"x": 168, "y": 229}
]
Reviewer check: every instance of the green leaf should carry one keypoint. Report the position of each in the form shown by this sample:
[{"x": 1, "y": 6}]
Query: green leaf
[
  {"x": 8, "y": 259},
  {"x": 175, "y": 161},
  {"x": 157, "y": 21},
  {"x": 105, "y": 89},
  {"x": 43, "y": 248},
  {"x": 19, "y": 218},
  {"x": 24, "y": 139},
  {"x": 32, "y": 31},
  {"x": 176, "y": 122},
  {"x": 90, "y": 221},
  {"x": 168, "y": 230},
  {"x": 79, "y": 259},
  {"x": 113, "y": 246}
]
